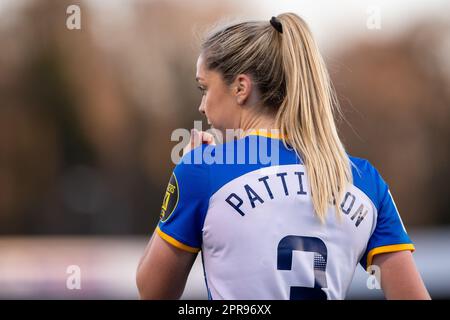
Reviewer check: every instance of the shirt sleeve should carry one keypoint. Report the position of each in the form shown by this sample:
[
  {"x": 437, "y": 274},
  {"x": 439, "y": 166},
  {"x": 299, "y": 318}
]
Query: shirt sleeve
[
  {"x": 185, "y": 205},
  {"x": 390, "y": 234}
]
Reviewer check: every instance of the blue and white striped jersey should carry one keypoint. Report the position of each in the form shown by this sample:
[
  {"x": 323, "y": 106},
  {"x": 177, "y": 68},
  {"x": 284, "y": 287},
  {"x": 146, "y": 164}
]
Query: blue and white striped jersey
[{"x": 255, "y": 225}]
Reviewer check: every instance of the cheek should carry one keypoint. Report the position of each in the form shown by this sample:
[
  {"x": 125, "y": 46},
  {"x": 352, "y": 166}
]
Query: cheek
[
  {"x": 219, "y": 107},
  {"x": 213, "y": 104},
  {"x": 220, "y": 113}
]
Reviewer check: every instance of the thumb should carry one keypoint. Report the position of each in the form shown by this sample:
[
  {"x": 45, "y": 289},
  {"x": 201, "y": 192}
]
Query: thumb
[{"x": 195, "y": 138}]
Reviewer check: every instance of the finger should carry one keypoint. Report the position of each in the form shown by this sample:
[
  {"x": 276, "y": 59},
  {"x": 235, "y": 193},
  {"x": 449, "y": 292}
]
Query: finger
[
  {"x": 195, "y": 138},
  {"x": 207, "y": 138}
]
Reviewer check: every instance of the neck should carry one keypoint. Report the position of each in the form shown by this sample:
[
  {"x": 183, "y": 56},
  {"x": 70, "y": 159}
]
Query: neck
[{"x": 257, "y": 122}]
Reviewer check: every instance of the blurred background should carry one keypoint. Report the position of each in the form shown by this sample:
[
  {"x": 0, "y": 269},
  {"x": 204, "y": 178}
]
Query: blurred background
[{"x": 86, "y": 117}]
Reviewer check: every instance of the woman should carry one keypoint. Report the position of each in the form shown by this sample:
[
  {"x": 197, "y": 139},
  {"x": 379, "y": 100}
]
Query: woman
[{"x": 248, "y": 219}]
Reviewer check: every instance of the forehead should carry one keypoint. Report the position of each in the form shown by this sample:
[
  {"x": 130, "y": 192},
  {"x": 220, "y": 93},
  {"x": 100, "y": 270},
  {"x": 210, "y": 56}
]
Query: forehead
[
  {"x": 201, "y": 70},
  {"x": 210, "y": 76}
]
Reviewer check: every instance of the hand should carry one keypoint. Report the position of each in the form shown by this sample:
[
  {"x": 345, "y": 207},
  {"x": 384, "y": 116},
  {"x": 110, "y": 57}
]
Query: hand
[{"x": 197, "y": 139}]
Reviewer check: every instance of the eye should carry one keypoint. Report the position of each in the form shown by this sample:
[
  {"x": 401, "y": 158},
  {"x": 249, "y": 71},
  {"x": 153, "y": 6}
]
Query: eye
[{"x": 202, "y": 90}]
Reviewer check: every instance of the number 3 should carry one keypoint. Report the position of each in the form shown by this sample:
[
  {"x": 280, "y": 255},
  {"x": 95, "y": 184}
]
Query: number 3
[{"x": 307, "y": 244}]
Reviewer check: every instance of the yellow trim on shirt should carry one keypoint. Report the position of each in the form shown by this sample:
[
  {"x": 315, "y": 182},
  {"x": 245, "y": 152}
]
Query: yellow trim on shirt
[
  {"x": 266, "y": 133},
  {"x": 386, "y": 249},
  {"x": 175, "y": 242}
]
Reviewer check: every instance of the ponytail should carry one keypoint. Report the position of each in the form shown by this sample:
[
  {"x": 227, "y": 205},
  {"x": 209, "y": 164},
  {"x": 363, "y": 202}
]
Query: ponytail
[{"x": 306, "y": 116}]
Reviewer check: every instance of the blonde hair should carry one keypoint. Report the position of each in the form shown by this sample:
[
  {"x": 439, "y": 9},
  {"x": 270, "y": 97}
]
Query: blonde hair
[{"x": 294, "y": 84}]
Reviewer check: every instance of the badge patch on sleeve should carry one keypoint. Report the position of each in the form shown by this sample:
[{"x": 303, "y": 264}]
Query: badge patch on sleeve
[{"x": 170, "y": 199}]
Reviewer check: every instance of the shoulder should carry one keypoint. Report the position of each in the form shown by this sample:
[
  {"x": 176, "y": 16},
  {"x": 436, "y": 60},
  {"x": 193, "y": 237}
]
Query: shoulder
[
  {"x": 193, "y": 173},
  {"x": 368, "y": 179}
]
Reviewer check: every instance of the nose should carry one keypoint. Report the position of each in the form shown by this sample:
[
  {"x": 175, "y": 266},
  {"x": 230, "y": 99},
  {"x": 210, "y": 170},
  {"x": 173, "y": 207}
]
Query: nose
[{"x": 201, "y": 109}]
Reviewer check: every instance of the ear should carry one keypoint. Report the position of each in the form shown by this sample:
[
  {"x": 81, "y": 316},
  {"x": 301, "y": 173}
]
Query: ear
[{"x": 242, "y": 87}]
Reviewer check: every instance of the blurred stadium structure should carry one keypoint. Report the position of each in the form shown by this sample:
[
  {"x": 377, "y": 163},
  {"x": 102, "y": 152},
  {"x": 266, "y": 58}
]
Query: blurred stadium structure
[{"x": 86, "y": 117}]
